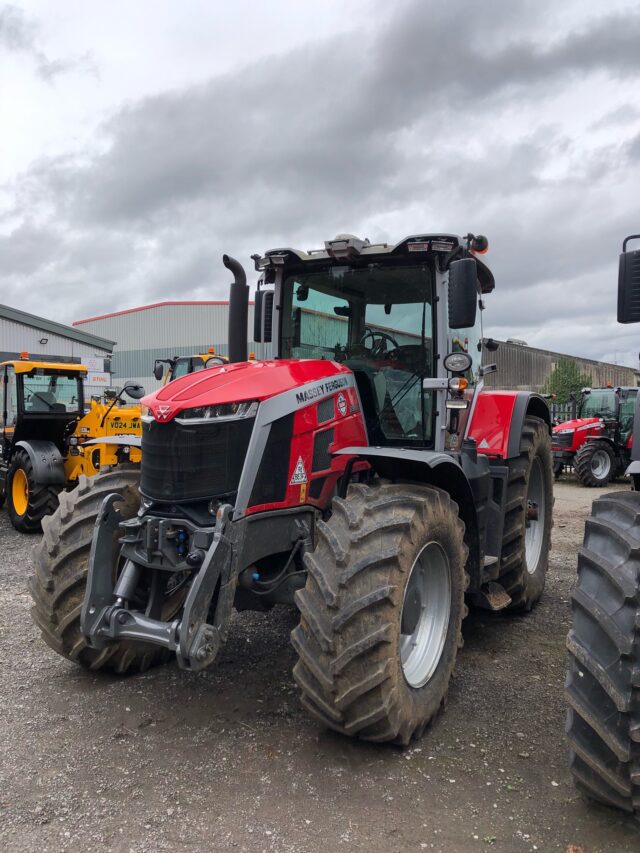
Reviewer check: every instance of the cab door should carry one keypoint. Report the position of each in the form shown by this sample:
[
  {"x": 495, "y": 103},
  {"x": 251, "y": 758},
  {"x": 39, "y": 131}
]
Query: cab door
[{"x": 9, "y": 409}]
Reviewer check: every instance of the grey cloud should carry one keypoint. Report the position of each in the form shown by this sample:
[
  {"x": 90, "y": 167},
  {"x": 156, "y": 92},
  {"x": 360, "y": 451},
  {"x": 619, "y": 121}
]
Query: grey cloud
[
  {"x": 19, "y": 34},
  {"x": 17, "y": 31}
]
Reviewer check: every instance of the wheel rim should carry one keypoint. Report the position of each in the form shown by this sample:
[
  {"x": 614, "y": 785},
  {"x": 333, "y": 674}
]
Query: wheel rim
[
  {"x": 20, "y": 491},
  {"x": 535, "y": 516},
  {"x": 425, "y": 615},
  {"x": 600, "y": 464}
]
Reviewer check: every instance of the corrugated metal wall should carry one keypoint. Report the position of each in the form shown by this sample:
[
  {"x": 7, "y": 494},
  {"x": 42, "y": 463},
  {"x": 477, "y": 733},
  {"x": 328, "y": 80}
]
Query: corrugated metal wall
[
  {"x": 17, "y": 337},
  {"x": 163, "y": 331},
  {"x": 527, "y": 369}
]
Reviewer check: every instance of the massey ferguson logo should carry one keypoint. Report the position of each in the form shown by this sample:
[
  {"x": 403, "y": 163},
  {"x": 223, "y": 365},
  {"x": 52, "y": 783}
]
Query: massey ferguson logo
[{"x": 163, "y": 412}]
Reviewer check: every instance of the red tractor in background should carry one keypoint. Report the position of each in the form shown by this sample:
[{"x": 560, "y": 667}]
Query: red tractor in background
[
  {"x": 362, "y": 473},
  {"x": 597, "y": 443}
]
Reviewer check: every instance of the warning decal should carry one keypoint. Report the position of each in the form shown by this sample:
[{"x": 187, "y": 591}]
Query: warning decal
[
  {"x": 484, "y": 444},
  {"x": 342, "y": 404},
  {"x": 299, "y": 474}
]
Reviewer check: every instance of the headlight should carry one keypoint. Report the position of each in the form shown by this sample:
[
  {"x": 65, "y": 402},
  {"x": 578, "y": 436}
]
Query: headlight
[
  {"x": 221, "y": 412},
  {"x": 145, "y": 413},
  {"x": 457, "y": 362},
  {"x": 563, "y": 431}
]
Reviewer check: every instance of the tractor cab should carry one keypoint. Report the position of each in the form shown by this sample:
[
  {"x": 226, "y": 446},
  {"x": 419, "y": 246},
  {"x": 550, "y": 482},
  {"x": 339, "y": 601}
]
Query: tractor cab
[
  {"x": 41, "y": 400},
  {"x": 376, "y": 310},
  {"x": 168, "y": 369}
]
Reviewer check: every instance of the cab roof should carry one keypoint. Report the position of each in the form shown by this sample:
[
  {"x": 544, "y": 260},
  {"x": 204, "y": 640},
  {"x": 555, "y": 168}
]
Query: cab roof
[
  {"x": 347, "y": 248},
  {"x": 25, "y": 365}
]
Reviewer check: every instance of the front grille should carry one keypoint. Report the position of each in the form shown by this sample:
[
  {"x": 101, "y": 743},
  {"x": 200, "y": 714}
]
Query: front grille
[
  {"x": 185, "y": 463},
  {"x": 563, "y": 440}
]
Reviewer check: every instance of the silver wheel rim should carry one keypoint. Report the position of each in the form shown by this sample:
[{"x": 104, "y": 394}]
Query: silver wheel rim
[
  {"x": 424, "y": 619},
  {"x": 600, "y": 464},
  {"x": 535, "y": 516}
]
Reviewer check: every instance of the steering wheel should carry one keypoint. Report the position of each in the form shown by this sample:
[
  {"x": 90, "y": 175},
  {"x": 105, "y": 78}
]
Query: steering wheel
[{"x": 378, "y": 342}]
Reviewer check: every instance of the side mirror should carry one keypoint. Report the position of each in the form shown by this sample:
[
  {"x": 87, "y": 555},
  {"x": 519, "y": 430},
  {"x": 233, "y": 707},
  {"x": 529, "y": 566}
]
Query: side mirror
[
  {"x": 263, "y": 316},
  {"x": 133, "y": 390},
  {"x": 463, "y": 293},
  {"x": 629, "y": 284},
  {"x": 158, "y": 370}
]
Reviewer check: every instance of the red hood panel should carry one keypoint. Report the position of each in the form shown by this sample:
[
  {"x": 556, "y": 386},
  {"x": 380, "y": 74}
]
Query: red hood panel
[
  {"x": 577, "y": 422},
  {"x": 233, "y": 383}
]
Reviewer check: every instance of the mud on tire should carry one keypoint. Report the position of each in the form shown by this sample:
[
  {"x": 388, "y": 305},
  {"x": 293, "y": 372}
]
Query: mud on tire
[
  {"x": 41, "y": 500},
  {"x": 523, "y": 568},
  {"x": 61, "y": 561},
  {"x": 348, "y": 641},
  {"x": 602, "y": 686}
]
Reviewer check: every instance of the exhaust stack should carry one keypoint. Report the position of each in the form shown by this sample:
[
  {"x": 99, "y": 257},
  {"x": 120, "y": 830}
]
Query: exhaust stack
[{"x": 238, "y": 310}]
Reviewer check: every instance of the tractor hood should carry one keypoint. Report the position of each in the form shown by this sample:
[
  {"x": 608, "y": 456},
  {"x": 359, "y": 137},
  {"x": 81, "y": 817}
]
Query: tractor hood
[
  {"x": 577, "y": 423},
  {"x": 235, "y": 383}
]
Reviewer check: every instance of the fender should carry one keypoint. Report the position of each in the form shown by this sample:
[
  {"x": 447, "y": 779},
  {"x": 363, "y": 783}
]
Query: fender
[
  {"x": 498, "y": 418},
  {"x": 435, "y": 469},
  {"x": 47, "y": 461}
]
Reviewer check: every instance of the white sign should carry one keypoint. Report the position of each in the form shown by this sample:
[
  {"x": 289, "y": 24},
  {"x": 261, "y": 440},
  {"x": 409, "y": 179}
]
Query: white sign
[
  {"x": 299, "y": 474},
  {"x": 94, "y": 365},
  {"x": 98, "y": 379}
]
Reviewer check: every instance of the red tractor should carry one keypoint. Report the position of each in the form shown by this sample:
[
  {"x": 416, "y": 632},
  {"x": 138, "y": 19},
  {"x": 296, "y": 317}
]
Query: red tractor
[
  {"x": 597, "y": 444},
  {"x": 362, "y": 473}
]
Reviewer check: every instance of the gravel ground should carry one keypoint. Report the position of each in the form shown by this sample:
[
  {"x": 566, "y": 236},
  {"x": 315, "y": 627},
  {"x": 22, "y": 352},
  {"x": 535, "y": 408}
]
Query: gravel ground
[{"x": 228, "y": 760}]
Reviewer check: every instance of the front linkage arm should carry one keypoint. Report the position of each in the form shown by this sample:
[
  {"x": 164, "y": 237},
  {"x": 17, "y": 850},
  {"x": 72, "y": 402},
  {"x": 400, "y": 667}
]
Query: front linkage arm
[{"x": 105, "y": 619}]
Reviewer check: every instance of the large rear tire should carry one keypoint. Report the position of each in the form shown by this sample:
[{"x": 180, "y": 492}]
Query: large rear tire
[
  {"x": 526, "y": 540},
  {"x": 602, "y": 687},
  {"x": 28, "y": 501},
  {"x": 595, "y": 464},
  {"x": 381, "y": 611},
  {"x": 60, "y": 579}
]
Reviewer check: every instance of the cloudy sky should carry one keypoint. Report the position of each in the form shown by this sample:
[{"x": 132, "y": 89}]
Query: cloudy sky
[{"x": 141, "y": 140}]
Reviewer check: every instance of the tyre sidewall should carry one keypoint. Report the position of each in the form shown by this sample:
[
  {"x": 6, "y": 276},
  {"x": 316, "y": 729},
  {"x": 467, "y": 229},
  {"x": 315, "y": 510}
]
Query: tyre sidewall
[
  {"x": 423, "y": 702},
  {"x": 534, "y": 581},
  {"x": 21, "y": 462}
]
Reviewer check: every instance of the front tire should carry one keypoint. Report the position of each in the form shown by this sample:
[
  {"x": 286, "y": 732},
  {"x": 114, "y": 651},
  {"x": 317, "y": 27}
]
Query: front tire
[
  {"x": 602, "y": 686},
  {"x": 595, "y": 464},
  {"x": 381, "y": 611},
  {"x": 526, "y": 539},
  {"x": 28, "y": 501},
  {"x": 60, "y": 579}
]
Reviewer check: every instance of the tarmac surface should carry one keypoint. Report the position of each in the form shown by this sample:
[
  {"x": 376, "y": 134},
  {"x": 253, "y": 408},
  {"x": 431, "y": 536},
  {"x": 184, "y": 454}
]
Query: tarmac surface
[{"x": 229, "y": 760}]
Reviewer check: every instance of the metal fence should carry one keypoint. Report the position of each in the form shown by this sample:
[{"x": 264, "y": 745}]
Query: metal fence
[{"x": 561, "y": 412}]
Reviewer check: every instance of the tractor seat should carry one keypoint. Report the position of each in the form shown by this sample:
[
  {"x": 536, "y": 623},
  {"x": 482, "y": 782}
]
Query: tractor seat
[
  {"x": 45, "y": 401},
  {"x": 376, "y": 407}
]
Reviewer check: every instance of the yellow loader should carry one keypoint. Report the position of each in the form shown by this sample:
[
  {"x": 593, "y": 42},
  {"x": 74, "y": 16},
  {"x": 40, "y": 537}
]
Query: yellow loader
[{"x": 50, "y": 436}]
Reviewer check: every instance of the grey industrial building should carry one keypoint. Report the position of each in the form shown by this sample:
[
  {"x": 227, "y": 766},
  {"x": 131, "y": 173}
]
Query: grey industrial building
[
  {"x": 163, "y": 330},
  {"x": 44, "y": 340},
  {"x": 526, "y": 368}
]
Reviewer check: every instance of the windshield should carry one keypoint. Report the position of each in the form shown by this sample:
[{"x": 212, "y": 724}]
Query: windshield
[
  {"x": 47, "y": 393},
  {"x": 379, "y": 322},
  {"x": 599, "y": 404}
]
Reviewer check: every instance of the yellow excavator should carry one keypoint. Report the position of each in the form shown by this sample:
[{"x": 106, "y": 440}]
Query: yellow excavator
[{"x": 50, "y": 436}]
